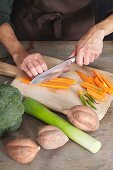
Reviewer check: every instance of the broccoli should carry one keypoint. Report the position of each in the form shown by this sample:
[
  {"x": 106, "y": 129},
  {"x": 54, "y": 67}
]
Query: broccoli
[{"x": 11, "y": 108}]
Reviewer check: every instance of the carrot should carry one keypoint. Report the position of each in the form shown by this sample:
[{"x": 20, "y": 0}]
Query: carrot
[
  {"x": 99, "y": 84},
  {"x": 61, "y": 83},
  {"x": 49, "y": 84},
  {"x": 54, "y": 85},
  {"x": 97, "y": 74},
  {"x": 111, "y": 90},
  {"x": 26, "y": 80},
  {"x": 91, "y": 80},
  {"x": 96, "y": 91},
  {"x": 81, "y": 75},
  {"x": 92, "y": 87},
  {"x": 109, "y": 84},
  {"x": 64, "y": 80},
  {"x": 95, "y": 95}
]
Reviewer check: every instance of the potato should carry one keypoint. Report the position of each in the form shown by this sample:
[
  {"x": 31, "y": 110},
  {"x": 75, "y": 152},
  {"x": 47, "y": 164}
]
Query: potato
[
  {"x": 83, "y": 117},
  {"x": 22, "y": 150},
  {"x": 50, "y": 137}
]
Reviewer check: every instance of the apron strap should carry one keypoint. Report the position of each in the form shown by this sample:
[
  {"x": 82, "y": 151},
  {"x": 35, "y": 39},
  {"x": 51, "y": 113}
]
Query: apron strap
[{"x": 56, "y": 18}]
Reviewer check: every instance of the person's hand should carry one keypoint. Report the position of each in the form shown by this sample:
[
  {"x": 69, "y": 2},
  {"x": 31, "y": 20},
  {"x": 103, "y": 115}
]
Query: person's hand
[
  {"x": 89, "y": 47},
  {"x": 32, "y": 64}
]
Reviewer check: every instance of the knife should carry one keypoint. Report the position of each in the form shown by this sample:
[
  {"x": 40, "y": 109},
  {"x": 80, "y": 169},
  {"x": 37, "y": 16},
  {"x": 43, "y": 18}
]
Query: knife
[{"x": 54, "y": 72}]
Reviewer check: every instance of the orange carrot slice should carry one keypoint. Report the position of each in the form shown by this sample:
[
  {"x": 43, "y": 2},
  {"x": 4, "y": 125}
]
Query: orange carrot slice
[
  {"x": 99, "y": 84},
  {"x": 81, "y": 75},
  {"x": 64, "y": 80},
  {"x": 109, "y": 84},
  {"x": 91, "y": 80},
  {"x": 96, "y": 95},
  {"x": 55, "y": 85},
  {"x": 97, "y": 74},
  {"x": 26, "y": 80},
  {"x": 92, "y": 87}
]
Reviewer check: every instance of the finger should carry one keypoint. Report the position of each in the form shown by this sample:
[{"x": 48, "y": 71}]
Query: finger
[
  {"x": 32, "y": 69},
  {"x": 87, "y": 58},
  {"x": 92, "y": 57},
  {"x": 26, "y": 70},
  {"x": 79, "y": 58},
  {"x": 41, "y": 61},
  {"x": 37, "y": 66}
]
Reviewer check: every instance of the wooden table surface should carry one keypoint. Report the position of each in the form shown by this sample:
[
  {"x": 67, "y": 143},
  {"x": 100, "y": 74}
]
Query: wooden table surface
[{"x": 71, "y": 156}]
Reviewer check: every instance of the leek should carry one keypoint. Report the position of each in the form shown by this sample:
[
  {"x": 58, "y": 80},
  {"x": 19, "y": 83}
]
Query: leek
[{"x": 39, "y": 111}]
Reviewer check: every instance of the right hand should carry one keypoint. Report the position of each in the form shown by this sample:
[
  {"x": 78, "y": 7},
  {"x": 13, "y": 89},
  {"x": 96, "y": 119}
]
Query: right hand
[
  {"x": 90, "y": 46},
  {"x": 32, "y": 64}
]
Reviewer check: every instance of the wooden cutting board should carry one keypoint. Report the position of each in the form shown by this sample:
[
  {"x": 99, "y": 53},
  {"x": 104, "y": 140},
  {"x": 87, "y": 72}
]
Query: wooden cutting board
[{"x": 56, "y": 99}]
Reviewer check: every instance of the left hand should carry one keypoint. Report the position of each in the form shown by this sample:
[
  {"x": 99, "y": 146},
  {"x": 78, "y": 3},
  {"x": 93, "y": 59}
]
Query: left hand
[{"x": 90, "y": 46}]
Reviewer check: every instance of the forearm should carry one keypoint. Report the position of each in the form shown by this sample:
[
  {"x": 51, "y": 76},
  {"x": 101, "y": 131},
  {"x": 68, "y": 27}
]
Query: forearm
[
  {"x": 9, "y": 40},
  {"x": 90, "y": 46},
  {"x": 106, "y": 25}
]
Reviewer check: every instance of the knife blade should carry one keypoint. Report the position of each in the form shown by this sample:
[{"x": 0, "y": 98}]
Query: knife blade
[{"x": 54, "y": 72}]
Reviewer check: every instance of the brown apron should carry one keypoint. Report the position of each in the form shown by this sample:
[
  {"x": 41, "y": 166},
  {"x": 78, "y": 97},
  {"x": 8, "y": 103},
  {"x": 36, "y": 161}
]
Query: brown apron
[{"x": 52, "y": 19}]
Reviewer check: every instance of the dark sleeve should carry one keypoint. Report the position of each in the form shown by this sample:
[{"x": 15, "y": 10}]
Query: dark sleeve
[
  {"x": 5, "y": 10},
  {"x": 103, "y": 8},
  {"x": 110, "y": 12}
]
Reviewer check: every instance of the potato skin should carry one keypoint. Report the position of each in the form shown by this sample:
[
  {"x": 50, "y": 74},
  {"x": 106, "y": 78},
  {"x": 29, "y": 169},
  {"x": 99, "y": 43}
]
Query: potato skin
[
  {"x": 50, "y": 137},
  {"x": 22, "y": 150},
  {"x": 83, "y": 117}
]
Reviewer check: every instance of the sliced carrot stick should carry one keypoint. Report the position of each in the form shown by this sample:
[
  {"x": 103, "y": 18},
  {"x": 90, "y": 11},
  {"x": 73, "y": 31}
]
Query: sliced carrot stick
[
  {"x": 91, "y": 86},
  {"x": 81, "y": 75},
  {"x": 109, "y": 84},
  {"x": 111, "y": 90},
  {"x": 26, "y": 80},
  {"x": 54, "y": 86},
  {"x": 97, "y": 74},
  {"x": 99, "y": 84},
  {"x": 55, "y": 83},
  {"x": 96, "y": 91},
  {"x": 96, "y": 95},
  {"x": 64, "y": 80},
  {"x": 91, "y": 80}
]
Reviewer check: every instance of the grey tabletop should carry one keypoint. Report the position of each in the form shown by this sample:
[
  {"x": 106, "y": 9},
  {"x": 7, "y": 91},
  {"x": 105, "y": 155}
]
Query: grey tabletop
[{"x": 70, "y": 156}]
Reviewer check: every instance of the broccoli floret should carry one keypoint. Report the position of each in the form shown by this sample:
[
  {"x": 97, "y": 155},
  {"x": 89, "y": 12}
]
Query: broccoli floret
[
  {"x": 14, "y": 127},
  {"x": 12, "y": 93},
  {"x": 11, "y": 108},
  {"x": 10, "y": 112}
]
